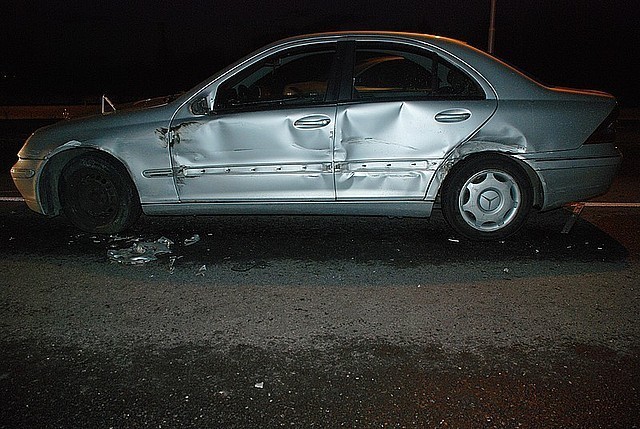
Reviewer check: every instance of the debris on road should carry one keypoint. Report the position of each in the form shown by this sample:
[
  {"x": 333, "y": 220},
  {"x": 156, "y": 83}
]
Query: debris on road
[
  {"x": 577, "y": 211},
  {"x": 194, "y": 239},
  {"x": 201, "y": 271},
  {"x": 172, "y": 263},
  {"x": 140, "y": 252}
]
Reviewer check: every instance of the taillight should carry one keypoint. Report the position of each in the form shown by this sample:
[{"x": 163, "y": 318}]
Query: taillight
[{"x": 606, "y": 132}]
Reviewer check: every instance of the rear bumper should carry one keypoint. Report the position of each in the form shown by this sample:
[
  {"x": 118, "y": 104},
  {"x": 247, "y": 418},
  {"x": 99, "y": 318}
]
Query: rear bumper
[{"x": 575, "y": 175}]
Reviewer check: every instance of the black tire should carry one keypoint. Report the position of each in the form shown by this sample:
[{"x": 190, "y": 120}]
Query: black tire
[
  {"x": 487, "y": 198},
  {"x": 98, "y": 196}
]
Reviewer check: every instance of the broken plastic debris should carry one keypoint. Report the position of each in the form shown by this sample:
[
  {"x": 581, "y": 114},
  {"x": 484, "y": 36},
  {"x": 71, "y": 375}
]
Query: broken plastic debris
[
  {"x": 140, "y": 252},
  {"x": 577, "y": 210},
  {"x": 172, "y": 263},
  {"x": 259, "y": 385},
  {"x": 506, "y": 270},
  {"x": 454, "y": 240},
  {"x": 119, "y": 238},
  {"x": 201, "y": 271},
  {"x": 164, "y": 240},
  {"x": 194, "y": 239}
]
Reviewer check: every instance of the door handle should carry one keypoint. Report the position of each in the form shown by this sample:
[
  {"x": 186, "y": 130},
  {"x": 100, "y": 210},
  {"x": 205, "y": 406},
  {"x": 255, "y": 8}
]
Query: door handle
[
  {"x": 453, "y": 115},
  {"x": 311, "y": 122}
]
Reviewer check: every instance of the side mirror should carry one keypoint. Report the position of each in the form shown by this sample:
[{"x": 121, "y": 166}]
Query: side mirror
[{"x": 200, "y": 106}]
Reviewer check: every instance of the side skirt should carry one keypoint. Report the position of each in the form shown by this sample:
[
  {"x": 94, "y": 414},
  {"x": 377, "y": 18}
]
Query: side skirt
[{"x": 372, "y": 208}]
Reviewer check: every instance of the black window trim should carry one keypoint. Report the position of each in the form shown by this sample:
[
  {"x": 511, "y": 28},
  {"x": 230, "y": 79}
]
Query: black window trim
[
  {"x": 348, "y": 68},
  {"x": 330, "y": 95}
]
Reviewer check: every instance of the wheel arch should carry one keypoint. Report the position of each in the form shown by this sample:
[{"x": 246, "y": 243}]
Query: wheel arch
[
  {"x": 49, "y": 183},
  {"x": 452, "y": 165}
]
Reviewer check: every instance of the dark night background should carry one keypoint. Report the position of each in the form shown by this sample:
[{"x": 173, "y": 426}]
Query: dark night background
[{"x": 74, "y": 51}]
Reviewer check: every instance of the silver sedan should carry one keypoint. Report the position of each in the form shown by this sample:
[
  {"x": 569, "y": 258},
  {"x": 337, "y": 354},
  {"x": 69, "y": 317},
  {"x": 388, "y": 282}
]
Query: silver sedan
[{"x": 388, "y": 124}]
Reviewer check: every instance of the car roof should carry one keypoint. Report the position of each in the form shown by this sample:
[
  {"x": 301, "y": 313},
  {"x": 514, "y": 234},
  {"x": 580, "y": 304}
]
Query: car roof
[
  {"x": 434, "y": 40},
  {"x": 373, "y": 34},
  {"x": 502, "y": 77}
]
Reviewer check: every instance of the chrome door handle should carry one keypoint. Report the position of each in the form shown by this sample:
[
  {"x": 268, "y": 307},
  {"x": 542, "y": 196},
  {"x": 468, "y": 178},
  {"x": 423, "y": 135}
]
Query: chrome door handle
[
  {"x": 311, "y": 122},
  {"x": 453, "y": 115}
]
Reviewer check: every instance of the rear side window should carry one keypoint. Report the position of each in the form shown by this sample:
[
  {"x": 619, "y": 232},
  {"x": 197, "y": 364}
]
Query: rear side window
[
  {"x": 384, "y": 71},
  {"x": 454, "y": 83}
]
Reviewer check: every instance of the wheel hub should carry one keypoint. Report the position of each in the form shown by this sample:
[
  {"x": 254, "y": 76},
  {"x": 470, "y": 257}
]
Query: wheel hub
[
  {"x": 489, "y": 200},
  {"x": 98, "y": 196}
]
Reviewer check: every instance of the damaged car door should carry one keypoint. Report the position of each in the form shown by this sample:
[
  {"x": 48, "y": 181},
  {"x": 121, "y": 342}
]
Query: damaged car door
[
  {"x": 407, "y": 109},
  {"x": 268, "y": 135}
]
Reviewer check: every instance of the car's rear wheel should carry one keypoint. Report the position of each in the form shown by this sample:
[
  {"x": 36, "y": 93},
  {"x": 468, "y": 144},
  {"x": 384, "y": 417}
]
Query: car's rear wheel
[
  {"x": 97, "y": 195},
  {"x": 487, "y": 198}
]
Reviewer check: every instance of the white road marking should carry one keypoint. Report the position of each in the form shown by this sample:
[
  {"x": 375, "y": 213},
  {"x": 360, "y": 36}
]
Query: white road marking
[{"x": 599, "y": 204}]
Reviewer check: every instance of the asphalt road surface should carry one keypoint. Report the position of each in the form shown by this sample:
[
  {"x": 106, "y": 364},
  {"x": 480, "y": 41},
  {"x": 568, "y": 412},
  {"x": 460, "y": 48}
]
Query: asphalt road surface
[{"x": 261, "y": 322}]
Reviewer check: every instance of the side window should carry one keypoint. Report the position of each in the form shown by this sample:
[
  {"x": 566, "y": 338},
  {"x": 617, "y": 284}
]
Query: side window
[
  {"x": 388, "y": 73},
  {"x": 400, "y": 72},
  {"x": 455, "y": 84},
  {"x": 291, "y": 78}
]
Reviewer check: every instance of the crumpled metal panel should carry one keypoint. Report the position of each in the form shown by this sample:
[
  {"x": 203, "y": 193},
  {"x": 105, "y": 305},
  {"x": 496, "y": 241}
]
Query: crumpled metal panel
[
  {"x": 127, "y": 136},
  {"x": 273, "y": 154},
  {"x": 545, "y": 125},
  {"x": 391, "y": 150},
  {"x": 555, "y": 126}
]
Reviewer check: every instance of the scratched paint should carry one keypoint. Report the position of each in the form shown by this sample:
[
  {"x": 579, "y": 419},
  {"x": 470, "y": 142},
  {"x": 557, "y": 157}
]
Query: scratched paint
[
  {"x": 255, "y": 156},
  {"x": 391, "y": 150}
]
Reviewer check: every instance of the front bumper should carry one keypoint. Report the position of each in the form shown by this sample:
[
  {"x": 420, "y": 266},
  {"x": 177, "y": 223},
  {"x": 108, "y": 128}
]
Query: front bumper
[{"x": 25, "y": 174}]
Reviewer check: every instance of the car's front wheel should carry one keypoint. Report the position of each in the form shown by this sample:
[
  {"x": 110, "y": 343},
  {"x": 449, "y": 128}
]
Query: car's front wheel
[
  {"x": 487, "y": 198},
  {"x": 97, "y": 195}
]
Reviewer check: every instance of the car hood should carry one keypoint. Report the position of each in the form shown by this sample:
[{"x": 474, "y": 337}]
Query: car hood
[{"x": 89, "y": 130}]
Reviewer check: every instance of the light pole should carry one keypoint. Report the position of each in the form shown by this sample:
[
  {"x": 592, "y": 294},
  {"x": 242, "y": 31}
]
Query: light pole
[{"x": 492, "y": 26}]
